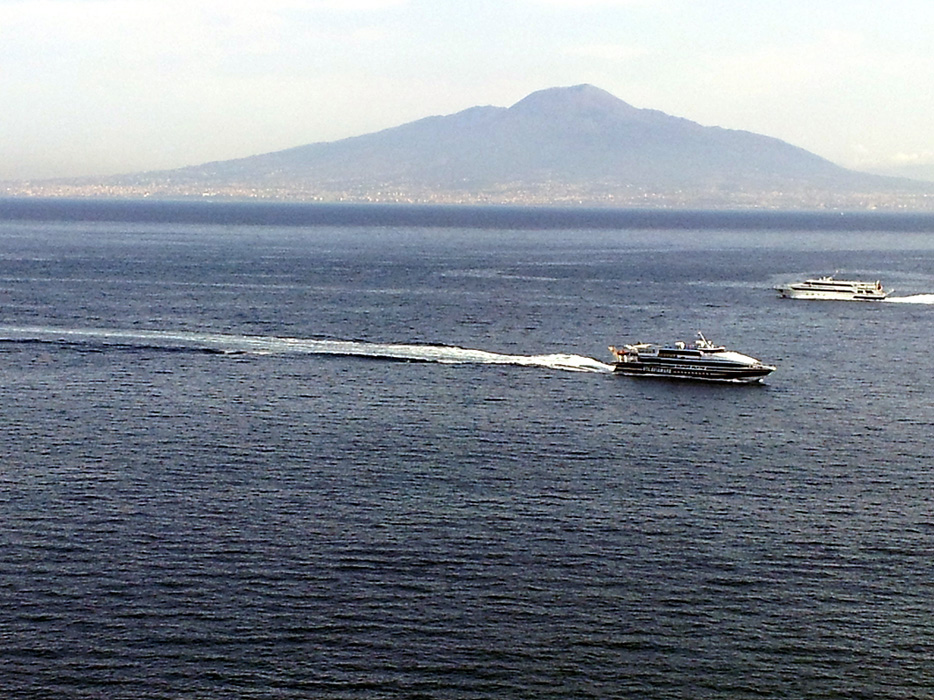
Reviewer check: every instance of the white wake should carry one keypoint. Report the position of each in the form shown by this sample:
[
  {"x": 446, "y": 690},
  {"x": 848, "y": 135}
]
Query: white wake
[
  {"x": 229, "y": 343},
  {"x": 442, "y": 354},
  {"x": 913, "y": 299}
]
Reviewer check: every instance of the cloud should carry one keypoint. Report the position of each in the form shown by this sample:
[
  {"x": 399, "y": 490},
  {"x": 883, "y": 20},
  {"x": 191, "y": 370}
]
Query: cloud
[
  {"x": 899, "y": 159},
  {"x": 582, "y": 4},
  {"x": 827, "y": 63},
  {"x": 607, "y": 52},
  {"x": 80, "y": 19},
  {"x": 780, "y": 66},
  {"x": 348, "y": 5},
  {"x": 116, "y": 35}
]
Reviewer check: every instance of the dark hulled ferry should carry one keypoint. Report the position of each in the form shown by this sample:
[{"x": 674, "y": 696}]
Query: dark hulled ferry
[{"x": 699, "y": 360}]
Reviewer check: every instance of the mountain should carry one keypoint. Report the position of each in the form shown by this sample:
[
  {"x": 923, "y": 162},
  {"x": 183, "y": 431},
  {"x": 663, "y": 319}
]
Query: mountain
[{"x": 578, "y": 144}]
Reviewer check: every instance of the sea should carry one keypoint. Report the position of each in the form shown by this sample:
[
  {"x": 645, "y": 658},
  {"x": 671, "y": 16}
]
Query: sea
[{"x": 260, "y": 450}]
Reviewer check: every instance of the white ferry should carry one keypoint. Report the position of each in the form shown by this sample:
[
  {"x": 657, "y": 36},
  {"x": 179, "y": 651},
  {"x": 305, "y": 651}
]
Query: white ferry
[
  {"x": 834, "y": 289},
  {"x": 700, "y": 360}
]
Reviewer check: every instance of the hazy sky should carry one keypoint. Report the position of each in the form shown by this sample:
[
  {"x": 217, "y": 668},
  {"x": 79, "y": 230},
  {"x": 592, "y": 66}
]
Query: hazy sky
[{"x": 92, "y": 87}]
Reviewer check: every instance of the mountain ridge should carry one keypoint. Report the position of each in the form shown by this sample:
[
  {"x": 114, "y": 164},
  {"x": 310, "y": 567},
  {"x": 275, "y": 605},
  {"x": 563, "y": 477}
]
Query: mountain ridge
[{"x": 560, "y": 144}]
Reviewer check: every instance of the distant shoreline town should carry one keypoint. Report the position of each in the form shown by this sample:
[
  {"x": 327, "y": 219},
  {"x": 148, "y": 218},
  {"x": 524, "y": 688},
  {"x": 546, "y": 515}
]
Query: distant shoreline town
[{"x": 558, "y": 195}]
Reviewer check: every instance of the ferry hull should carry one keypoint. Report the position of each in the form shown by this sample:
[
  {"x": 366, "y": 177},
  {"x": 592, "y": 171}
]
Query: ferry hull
[
  {"x": 789, "y": 293},
  {"x": 743, "y": 375}
]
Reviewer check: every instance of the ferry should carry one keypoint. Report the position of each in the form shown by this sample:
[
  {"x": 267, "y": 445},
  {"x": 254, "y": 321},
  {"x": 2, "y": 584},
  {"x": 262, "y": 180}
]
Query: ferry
[
  {"x": 834, "y": 289},
  {"x": 698, "y": 360}
]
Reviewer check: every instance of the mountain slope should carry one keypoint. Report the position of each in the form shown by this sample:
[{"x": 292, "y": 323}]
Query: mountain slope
[{"x": 575, "y": 142}]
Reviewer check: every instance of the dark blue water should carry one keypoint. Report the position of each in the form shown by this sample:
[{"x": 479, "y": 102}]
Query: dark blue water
[{"x": 385, "y": 459}]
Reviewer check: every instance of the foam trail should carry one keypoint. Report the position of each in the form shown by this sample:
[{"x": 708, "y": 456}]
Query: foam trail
[
  {"x": 224, "y": 343},
  {"x": 913, "y": 299}
]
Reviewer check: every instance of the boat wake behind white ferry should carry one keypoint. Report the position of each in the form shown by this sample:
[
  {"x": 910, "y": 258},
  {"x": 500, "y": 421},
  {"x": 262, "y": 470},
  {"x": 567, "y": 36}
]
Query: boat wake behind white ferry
[{"x": 912, "y": 299}]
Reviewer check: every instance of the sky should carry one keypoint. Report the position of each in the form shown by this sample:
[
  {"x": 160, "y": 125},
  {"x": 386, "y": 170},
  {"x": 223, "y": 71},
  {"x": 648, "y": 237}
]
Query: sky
[{"x": 99, "y": 87}]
